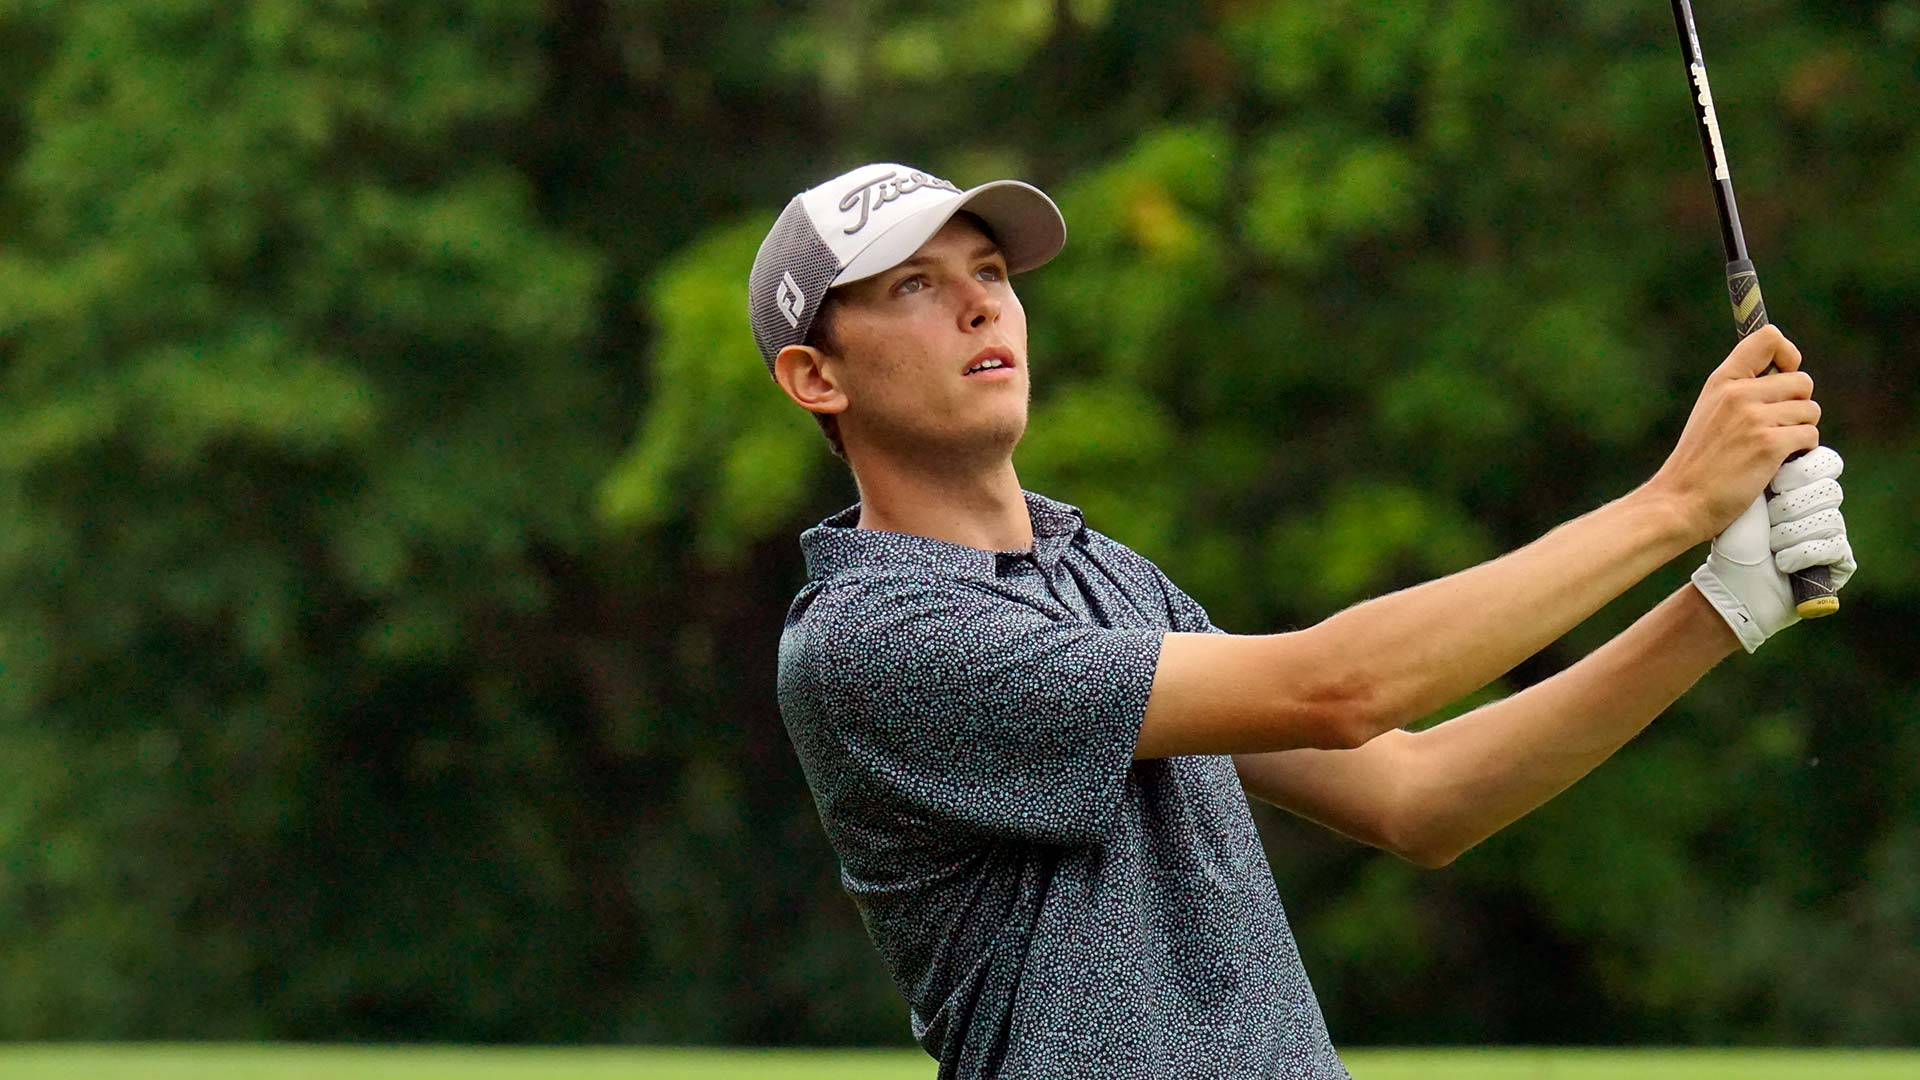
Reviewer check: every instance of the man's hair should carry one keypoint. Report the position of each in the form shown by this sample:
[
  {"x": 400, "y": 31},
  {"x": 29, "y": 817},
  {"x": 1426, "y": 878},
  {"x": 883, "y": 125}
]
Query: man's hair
[{"x": 821, "y": 336}]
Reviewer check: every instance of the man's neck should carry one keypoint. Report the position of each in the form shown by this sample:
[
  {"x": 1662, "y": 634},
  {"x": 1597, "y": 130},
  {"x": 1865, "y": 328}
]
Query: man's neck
[{"x": 978, "y": 509}]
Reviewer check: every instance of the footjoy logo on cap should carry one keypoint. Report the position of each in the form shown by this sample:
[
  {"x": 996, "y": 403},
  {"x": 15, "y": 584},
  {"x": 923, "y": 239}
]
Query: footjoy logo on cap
[
  {"x": 790, "y": 300},
  {"x": 882, "y": 190}
]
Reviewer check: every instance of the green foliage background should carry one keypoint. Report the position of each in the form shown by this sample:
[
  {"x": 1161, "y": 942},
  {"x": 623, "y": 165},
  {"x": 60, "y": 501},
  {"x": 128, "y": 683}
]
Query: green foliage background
[{"x": 396, "y": 522}]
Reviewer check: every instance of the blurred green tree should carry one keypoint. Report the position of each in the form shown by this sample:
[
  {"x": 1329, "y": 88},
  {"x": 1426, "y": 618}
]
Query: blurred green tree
[{"x": 370, "y": 672}]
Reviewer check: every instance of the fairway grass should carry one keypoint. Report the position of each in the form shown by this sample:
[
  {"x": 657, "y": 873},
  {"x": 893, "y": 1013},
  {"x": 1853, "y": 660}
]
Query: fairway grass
[{"x": 272, "y": 1062}]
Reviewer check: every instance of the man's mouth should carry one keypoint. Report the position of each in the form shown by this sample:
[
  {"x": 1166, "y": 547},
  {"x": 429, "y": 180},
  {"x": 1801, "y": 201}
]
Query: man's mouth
[{"x": 993, "y": 359}]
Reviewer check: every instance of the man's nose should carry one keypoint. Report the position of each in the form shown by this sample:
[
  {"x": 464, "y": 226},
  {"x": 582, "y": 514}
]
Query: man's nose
[{"x": 980, "y": 309}]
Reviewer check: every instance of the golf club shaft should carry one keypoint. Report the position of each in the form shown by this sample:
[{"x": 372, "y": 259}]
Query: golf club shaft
[{"x": 1813, "y": 594}]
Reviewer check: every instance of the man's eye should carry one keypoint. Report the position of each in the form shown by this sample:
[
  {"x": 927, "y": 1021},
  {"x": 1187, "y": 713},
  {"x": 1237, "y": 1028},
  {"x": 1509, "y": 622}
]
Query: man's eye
[
  {"x": 910, "y": 285},
  {"x": 992, "y": 273}
]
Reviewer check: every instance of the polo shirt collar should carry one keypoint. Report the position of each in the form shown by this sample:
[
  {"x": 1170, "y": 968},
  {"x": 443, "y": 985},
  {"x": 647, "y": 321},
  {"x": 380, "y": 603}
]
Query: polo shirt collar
[{"x": 838, "y": 544}]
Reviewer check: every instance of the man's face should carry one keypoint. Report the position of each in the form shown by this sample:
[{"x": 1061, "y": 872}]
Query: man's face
[{"x": 908, "y": 338}]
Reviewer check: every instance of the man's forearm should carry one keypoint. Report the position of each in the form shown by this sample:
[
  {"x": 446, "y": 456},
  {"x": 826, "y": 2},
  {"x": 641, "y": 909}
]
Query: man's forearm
[
  {"x": 1470, "y": 777},
  {"x": 1430, "y": 795},
  {"x": 1413, "y": 651}
]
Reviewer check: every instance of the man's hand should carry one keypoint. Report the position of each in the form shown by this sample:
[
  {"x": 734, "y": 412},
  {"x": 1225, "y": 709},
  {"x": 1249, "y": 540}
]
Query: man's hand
[
  {"x": 1745, "y": 575},
  {"x": 1743, "y": 425}
]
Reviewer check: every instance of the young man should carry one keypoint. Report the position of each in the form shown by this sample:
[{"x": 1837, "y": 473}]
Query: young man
[{"x": 1031, "y": 751}]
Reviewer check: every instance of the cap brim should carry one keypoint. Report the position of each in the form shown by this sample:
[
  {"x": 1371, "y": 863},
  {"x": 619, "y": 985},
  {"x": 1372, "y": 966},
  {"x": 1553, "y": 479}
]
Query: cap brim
[{"x": 1025, "y": 223}]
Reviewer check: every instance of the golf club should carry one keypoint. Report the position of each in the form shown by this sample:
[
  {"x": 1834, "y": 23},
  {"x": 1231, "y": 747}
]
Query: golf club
[{"x": 1813, "y": 594}]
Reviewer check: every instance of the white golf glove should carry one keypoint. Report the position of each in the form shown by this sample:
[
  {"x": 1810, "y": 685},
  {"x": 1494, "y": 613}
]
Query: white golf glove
[{"x": 1745, "y": 575}]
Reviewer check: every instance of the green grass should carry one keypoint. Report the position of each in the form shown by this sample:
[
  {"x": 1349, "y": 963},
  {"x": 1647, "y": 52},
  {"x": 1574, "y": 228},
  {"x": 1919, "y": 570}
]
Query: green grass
[{"x": 249, "y": 1062}]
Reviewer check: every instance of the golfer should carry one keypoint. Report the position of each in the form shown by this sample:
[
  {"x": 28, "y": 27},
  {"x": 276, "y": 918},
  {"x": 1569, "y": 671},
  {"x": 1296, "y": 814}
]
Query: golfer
[{"x": 1033, "y": 753}]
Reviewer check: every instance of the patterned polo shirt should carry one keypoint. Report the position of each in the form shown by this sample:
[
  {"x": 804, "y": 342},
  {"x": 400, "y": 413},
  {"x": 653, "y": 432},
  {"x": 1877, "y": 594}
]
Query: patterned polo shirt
[{"x": 1048, "y": 906}]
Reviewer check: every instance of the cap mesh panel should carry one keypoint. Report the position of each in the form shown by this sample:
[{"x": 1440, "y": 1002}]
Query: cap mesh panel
[{"x": 792, "y": 247}]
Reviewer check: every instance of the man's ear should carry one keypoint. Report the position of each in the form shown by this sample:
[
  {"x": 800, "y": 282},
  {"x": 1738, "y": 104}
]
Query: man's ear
[{"x": 802, "y": 372}]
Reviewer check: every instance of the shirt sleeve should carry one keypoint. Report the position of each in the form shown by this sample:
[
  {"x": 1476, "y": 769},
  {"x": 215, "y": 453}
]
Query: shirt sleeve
[
  {"x": 954, "y": 708},
  {"x": 1184, "y": 613}
]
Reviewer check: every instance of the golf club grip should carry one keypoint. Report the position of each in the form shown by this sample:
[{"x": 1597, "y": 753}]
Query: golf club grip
[{"x": 1813, "y": 594}]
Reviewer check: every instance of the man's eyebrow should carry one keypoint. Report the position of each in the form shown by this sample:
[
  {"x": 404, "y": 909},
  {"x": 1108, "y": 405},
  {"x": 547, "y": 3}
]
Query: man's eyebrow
[{"x": 981, "y": 252}]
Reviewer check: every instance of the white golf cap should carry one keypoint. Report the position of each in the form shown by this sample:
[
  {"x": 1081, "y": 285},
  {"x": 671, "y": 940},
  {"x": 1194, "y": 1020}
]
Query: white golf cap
[{"x": 869, "y": 220}]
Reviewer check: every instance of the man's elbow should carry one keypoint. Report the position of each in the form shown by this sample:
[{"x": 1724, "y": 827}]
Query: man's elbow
[
  {"x": 1350, "y": 716},
  {"x": 1418, "y": 838},
  {"x": 1426, "y": 851},
  {"x": 1429, "y": 858}
]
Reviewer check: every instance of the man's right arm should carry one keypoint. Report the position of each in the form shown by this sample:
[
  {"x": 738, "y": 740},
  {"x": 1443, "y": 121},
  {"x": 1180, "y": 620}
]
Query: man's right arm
[{"x": 1389, "y": 661}]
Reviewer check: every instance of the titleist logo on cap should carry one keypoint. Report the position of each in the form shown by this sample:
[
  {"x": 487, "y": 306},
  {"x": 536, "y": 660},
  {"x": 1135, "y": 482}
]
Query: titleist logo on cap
[{"x": 882, "y": 190}]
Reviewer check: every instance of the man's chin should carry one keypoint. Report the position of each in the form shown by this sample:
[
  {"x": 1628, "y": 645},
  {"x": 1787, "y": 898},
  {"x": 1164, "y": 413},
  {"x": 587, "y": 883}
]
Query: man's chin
[
  {"x": 982, "y": 449},
  {"x": 984, "y": 446},
  {"x": 997, "y": 440}
]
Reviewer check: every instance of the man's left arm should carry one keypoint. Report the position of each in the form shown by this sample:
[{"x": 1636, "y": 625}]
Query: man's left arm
[{"x": 1429, "y": 795}]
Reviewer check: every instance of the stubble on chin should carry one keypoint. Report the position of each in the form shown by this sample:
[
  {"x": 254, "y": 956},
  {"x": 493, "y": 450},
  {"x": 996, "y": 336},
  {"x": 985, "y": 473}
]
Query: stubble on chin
[
  {"x": 998, "y": 434},
  {"x": 952, "y": 449}
]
